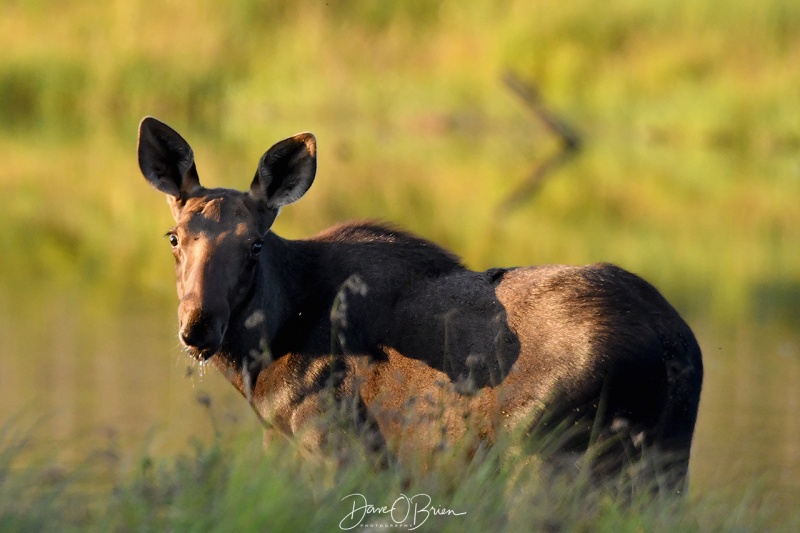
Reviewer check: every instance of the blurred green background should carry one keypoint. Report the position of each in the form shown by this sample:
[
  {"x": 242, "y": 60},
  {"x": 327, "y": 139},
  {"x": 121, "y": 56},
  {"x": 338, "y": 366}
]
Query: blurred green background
[{"x": 689, "y": 176}]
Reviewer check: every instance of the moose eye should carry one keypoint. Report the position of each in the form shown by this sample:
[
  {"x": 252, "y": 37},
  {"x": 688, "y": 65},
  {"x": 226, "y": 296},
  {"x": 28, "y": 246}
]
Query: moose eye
[
  {"x": 257, "y": 246},
  {"x": 173, "y": 240}
]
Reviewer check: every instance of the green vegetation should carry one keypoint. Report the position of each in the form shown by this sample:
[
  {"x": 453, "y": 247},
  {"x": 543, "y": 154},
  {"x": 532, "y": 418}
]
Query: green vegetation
[
  {"x": 689, "y": 177},
  {"x": 687, "y": 109},
  {"x": 238, "y": 486}
]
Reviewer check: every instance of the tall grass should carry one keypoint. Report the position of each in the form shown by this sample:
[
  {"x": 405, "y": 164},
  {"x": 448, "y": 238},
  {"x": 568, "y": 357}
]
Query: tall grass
[{"x": 237, "y": 486}]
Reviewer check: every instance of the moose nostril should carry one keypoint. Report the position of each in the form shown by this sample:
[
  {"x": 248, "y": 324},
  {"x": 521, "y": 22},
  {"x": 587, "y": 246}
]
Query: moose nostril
[
  {"x": 199, "y": 337},
  {"x": 187, "y": 338},
  {"x": 191, "y": 338},
  {"x": 202, "y": 325},
  {"x": 202, "y": 332}
]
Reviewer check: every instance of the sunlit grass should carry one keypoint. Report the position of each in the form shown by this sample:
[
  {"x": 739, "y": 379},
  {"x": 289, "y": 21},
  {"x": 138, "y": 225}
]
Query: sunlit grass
[
  {"x": 686, "y": 107},
  {"x": 234, "y": 485},
  {"x": 692, "y": 71}
]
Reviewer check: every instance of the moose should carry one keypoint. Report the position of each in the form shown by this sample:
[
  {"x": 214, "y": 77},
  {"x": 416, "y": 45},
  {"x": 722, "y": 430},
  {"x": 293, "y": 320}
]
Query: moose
[{"x": 397, "y": 336}]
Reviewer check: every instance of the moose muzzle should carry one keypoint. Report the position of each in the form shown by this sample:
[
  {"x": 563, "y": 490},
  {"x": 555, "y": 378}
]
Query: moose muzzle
[{"x": 202, "y": 327}]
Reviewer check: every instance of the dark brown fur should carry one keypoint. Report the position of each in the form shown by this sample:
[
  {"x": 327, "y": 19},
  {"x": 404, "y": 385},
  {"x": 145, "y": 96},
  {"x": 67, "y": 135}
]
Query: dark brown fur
[{"x": 395, "y": 333}]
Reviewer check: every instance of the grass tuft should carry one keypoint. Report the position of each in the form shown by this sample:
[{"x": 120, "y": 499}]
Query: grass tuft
[{"x": 238, "y": 486}]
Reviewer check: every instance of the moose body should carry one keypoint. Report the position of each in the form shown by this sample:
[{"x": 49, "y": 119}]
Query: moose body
[{"x": 402, "y": 338}]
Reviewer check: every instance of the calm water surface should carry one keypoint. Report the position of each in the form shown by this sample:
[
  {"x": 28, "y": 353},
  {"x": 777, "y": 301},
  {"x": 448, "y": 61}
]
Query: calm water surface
[
  {"x": 95, "y": 377},
  {"x": 81, "y": 370},
  {"x": 84, "y": 379}
]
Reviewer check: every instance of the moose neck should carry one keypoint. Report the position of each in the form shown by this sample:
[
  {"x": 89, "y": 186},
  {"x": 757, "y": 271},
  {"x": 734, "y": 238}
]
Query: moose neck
[{"x": 282, "y": 288}]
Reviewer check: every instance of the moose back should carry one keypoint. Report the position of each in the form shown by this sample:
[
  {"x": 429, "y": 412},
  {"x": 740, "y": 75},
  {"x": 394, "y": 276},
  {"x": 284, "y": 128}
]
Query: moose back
[{"x": 396, "y": 335}]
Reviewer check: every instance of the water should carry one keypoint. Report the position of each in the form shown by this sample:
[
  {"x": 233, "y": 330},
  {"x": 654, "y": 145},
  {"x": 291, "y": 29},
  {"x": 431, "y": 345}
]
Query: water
[
  {"x": 82, "y": 379},
  {"x": 82, "y": 371},
  {"x": 93, "y": 379},
  {"x": 748, "y": 429}
]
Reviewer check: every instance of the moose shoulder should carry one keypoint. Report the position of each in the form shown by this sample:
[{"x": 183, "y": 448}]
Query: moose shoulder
[{"x": 397, "y": 334}]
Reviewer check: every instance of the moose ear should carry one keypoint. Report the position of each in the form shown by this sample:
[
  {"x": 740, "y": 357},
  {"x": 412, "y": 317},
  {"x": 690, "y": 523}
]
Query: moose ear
[
  {"x": 166, "y": 159},
  {"x": 286, "y": 171}
]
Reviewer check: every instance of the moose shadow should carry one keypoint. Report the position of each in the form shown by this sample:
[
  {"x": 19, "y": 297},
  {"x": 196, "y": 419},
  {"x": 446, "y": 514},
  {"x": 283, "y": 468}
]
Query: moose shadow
[{"x": 459, "y": 326}]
